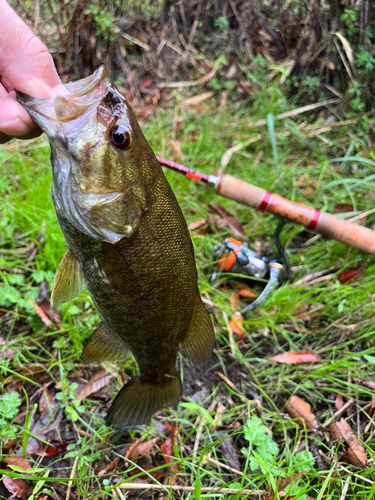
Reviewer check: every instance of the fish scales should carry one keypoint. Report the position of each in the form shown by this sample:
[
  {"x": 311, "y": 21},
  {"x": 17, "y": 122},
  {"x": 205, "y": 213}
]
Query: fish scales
[{"x": 128, "y": 243}]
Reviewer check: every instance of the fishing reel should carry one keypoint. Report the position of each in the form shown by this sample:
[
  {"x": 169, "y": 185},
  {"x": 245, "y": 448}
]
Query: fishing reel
[{"x": 237, "y": 257}]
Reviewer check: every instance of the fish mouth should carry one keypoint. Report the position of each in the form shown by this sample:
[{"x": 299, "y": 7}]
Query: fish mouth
[{"x": 51, "y": 114}]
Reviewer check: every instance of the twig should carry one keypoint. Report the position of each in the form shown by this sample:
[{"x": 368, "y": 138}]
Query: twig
[
  {"x": 137, "y": 42},
  {"x": 176, "y": 487},
  {"x": 345, "y": 488},
  {"x": 223, "y": 466},
  {"x": 295, "y": 112},
  {"x": 314, "y": 275},
  {"x": 233, "y": 387},
  {"x": 200, "y": 81},
  {"x": 69, "y": 488},
  {"x": 356, "y": 475},
  {"x": 343, "y": 408}
]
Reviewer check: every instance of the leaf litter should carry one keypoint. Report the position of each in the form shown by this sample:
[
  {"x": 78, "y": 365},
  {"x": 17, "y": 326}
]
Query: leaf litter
[{"x": 341, "y": 432}]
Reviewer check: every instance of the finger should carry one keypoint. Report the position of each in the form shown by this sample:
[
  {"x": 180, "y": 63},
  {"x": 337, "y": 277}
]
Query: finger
[
  {"x": 15, "y": 121},
  {"x": 25, "y": 63}
]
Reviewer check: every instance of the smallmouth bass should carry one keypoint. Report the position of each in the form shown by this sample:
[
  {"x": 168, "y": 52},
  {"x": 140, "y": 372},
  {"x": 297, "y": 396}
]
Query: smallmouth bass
[{"x": 128, "y": 243}]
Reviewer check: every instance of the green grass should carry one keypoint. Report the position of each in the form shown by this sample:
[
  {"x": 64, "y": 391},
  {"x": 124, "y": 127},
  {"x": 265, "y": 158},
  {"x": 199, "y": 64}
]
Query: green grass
[{"x": 267, "y": 443}]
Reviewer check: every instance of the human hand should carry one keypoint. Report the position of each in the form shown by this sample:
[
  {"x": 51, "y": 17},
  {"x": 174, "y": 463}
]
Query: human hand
[{"x": 25, "y": 65}]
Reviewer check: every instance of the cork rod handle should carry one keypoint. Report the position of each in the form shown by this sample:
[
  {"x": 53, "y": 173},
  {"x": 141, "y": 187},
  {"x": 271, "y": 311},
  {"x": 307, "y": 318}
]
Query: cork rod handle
[{"x": 349, "y": 233}]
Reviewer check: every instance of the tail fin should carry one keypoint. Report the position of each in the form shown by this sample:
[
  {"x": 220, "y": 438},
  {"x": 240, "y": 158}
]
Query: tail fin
[{"x": 137, "y": 401}]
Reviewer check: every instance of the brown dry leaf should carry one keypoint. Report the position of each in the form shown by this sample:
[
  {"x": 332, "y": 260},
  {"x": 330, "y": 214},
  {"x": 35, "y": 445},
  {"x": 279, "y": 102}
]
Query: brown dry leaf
[
  {"x": 146, "y": 83},
  {"x": 338, "y": 402},
  {"x": 10, "y": 444},
  {"x": 167, "y": 448},
  {"x": 46, "y": 308},
  {"x": 171, "y": 428},
  {"x": 167, "y": 451},
  {"x": 356, "y": 454},
  {"x": 342, "y": 208},
  {"x": 295, "y": 357},
  {"x": 235, "y": 325},
  {"x": 228, "y": 220},
  {"x": 191, "y": 102},
  {"x": 229, "y": 451},
  {"x": 328, "y": 63},
  {"x": 44, "y": 401},
  {"x": 299, "y": 409},
  {"x": 367, "y": 383},
  {"x": 351, "y": 272},
  {"x": 5, "y": 353},
  {"x": 140, "y": 448},
  {"x": 234, "y": 301},
  {"x": 42, "y": 315},
  {"x": 109, "y": 467},
  {"x": 282, "y": 484},
  {"x": 197, "y": 224},
  {"x": 247, "y": 293},
  {"x": 97, "y": 382},
  {"x": 19, "y": 461},
  {"x": 16, "y": 487}
]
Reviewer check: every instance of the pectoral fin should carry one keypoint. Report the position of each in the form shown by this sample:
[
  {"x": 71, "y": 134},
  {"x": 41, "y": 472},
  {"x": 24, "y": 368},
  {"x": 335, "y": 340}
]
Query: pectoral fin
[
  {"x": 199, "y": 339},
  {"x": 68, "y": 282},
  {"x": 104, "y": 345}
]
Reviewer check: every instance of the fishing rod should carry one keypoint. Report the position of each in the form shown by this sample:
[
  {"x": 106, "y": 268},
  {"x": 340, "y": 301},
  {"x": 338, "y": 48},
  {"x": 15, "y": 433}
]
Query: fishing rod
[{"x": 252, "y": 196}]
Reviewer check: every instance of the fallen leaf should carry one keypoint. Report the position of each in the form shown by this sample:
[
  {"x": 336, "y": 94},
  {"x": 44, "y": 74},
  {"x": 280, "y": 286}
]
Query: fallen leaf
[
  {"x": 299, "y": 409},
  {"x": 342, "y": 208},
  {"x": 10, "y": 444},
  {"x": 197, "y": 224},
  {"x": 326, "y": 61},
  {"x": 47, "y": 309},
  {"x": 146, "y": 83},
  {"x": 229, "y": 451},
  {"x": 191, "y": 102},
  {"x": 367, "y": 383},
  {"x": 140, "y": 448},
  {"x": 295, "y": 357},
  {"x": 341, "y": 431},
  {"x": 95, "y": 384},
  {"x": 234, "y": 301},
  {"x": 53, "y": 448},
  {"x": 228, "y": 220},
  {"x": 351, "y": 272},
  {"x": 167, "y": 451},
  {"x": 5, "y": 353},
  {"x": 171, "y": 427},
  {"x": 42, "y": 315},
  {"x": 44, "y": 401},
  {"x": 308, "y": 312},
  {"x": 16, "y": 487},
  {"x": 282, "y": 484},
  {"x": 338, "y": 402},
  {"x": 19, "y": 461},
  {"x": 109, "y": 467},
  {"x": 235, "y": 325},
  {"x": 167, "y": 448},
  {"x": 247, "y": 293}
]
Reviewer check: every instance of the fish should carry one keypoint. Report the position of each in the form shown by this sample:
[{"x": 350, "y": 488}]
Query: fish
[{"x": 127, "y": 243}]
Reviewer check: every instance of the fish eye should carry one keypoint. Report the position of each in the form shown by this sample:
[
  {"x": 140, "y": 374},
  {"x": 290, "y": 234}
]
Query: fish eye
[{"x": 119, "y": 138}]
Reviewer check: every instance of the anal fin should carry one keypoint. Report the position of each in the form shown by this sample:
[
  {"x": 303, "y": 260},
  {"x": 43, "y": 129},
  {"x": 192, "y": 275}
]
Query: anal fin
[
  {"x": 68, "y": 282},
  {"x": 199, "y": 339},
  {"x": 104, "y": 345}
]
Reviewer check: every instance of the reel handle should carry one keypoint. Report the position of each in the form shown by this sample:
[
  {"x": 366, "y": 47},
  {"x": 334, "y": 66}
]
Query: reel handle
[{"x": 349, "y": 233}]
